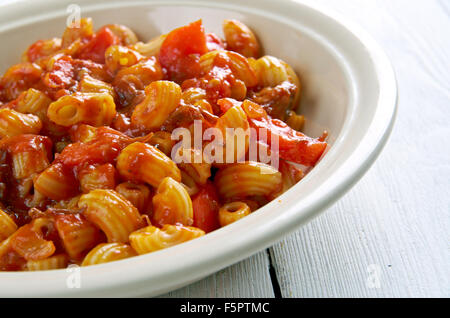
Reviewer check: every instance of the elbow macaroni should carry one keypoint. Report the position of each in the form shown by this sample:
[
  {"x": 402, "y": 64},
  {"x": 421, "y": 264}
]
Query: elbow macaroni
[
  {"x": 272, "y": 71},
  {"x": 108, "y": 252},
  {"x": 53, "y": 262},
  {"x": 124, "y": 33},
  {"x": 233, "y": 211},
  {"x": 118, "y": 57},
  {"x": 112, "y": 213},
  {"x": 172, "y": 204},
  {"x": 89, "y": 84},
  {"x": 56, "y": 183},
  {"x": 143, "y": 162},
  {"x": 151, "y": 238},
  {"x": 97, "y": 177},
  {"x": 7, "y": 226},
  {"x": 33, "y": 102},
  {"x": 13, "y": 123},
  {"x": 30, "y": 154},
  {"x": 235, "y": 129},
  {"x": 195, "y": 166},
  {"x": 162, "y": 97},
  {"x": 237, "y": 63},
  {"x": 95, "y": 109},
  {"x": 151, "y": 48},
  {"x": 138, "y": 194},
  {"x": 242, "y": 180},
  {"x": 240, "y": 38}
]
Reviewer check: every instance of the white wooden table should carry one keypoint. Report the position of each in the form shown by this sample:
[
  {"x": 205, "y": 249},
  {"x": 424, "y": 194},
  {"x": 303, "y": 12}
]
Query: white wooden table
[{"x": 389, "y": 236}]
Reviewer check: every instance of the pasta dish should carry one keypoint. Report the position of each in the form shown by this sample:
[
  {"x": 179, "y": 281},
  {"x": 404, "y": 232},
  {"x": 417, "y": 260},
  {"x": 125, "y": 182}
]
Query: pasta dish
[{"x": 111, "y": 147}]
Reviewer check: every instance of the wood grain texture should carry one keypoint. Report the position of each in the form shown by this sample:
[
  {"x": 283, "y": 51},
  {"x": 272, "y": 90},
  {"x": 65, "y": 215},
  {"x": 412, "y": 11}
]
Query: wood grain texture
[
  {"x": 249, "y": 278},
  {"x": 397, "y": 216}
]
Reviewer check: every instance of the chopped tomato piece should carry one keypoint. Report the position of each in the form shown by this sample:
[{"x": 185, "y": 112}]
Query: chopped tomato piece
[
  {"x": 181, "y": 50},
  {"x": 68, "y": 226},
  {"x": 206, "y": 208},
  {"x": 62, "y": 73},
  {"x": 213, "y": 42},
  {"x": 293, "y": 145},
  {"x": 96, "y": 47},
  {"x": 34, "y": 51},
  {"x": 104, "y": 148}
]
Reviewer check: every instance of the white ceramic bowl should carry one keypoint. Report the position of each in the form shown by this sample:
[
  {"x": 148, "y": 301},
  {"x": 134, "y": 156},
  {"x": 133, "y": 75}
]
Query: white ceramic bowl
[{"x": 349, "y": 89}]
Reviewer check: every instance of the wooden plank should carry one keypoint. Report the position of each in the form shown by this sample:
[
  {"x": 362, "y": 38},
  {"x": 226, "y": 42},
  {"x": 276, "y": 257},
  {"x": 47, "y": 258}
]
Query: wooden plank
[
  {"x": 248, "y": 278},
  {"x": 397, "y": 218}
]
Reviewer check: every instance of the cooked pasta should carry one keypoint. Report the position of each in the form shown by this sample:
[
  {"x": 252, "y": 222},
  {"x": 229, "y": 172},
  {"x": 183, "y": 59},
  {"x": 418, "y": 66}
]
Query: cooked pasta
[
  {"x": 193, "y": 95},
  {"x": 33, "y": 101},
  {"x": 95, "y": 109},
  {"x": 278, "y": 78},
  {"x": 235, "y": 129},
  {"x": 41, "y": 49},
  {"x": 270, "y": 71},
  {"x": 130, "y": 82},
  {"x": 112, "y": 213},
  {"x": 7, "y": 225},
  {"x": 108, "y": 252},
  {"x": 124, "y": 33},
  {"x": 111, "y": 147},
  {"x": 13, "y": 123},
  {"x": 240, "y": 38},
  {"x": 76, "y": 31},
  {"x": 172, "y": 204},
  {"x": 151, "y": 238},
  {"x": 138, "y": 194},
  {"x": 117, "y": 57},
  {"x": 83, "y": 133},
  {"x": 163, "y": 141},
  {"x": 30, "y": 154},
  {"x": 194, "y": 165},
  {"x": 56, "y": 183},
  {"x": 162, "y": 97},
  {"x": 152, "y": 47},
  {"x": 236, "y": 62},
  {"x": 233, "y": 211},
  {"x": 242, "y": 180},
  {"x": 89, "y": 84},
  {"x": 145, "y": 163},
  {"x": 53, "y": 262},
  {"x": 97, "y": 177}
]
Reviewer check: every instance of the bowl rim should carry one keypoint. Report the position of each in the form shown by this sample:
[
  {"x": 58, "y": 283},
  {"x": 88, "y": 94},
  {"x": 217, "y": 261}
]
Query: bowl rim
[{"x": 111, "y": 280}]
